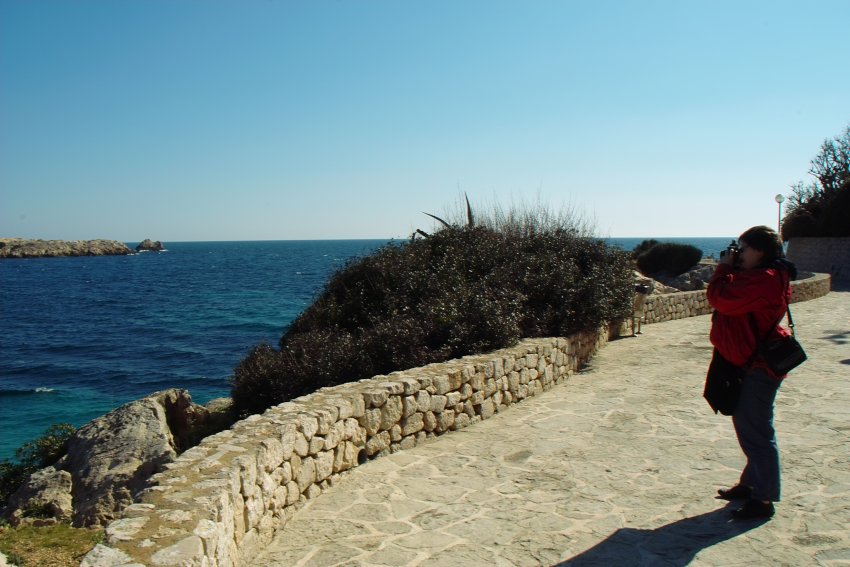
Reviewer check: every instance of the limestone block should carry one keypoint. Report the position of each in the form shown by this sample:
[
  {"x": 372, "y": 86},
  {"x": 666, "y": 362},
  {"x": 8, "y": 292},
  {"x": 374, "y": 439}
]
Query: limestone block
[
  {"x": 391, "y": 412},
  {"x": 288, "y": 437},
  {"x": 466, "y": 391},
  {"x": 374, "y": 397},
  {"x": 317, "y": 443},
  {"x": 395, "y": 433},
  {"x": 409, "y": 406},
  {"x": 438, "y": 403},
  {"x": 211, "y": 536},
  {"x": 239, "y": 527},
  {"x": 267, "y": 486},
  {"x": 442, "y": 384},
  {"x": 498, "y": 367},
  {"x": 469, "y": 408},
  {"x": 392, "y": 387},
  {"x": 486, "y": 409},
  {"x": 357, "y": 433},
  {"x": 508, "y": 398},
  {"x": 429, "y": 421},
  {"x": 124, "y": 529},
  {"x": 407, "y": 443},
  {"x": 522, "y": 391},
  {"x": 489, "y": 387},
  {"x": 461, "y": 421},
  {"x": 269, "y": 454},
  {"x": 306, "y": 473},
  {"x": 456, "y": 379},
  {"x": 247, "y": 474},
  {"x": 531, "y": 360},
  {"x": 324, "y": 465},
  {"x": 301, "y": 447},
  {"x": 278, "y": 501},
  {"x": 477, "y": 382},
  {"x": 313, "y": 491},
  {"x": 188, "y": 551},
  {"x": 423, "y": 401},
  {"x": 138, "y": 510},
  {"x": 345, "y": 456},
  {"x": 412, "y": 424},
  {"x": 292, "y": 493},
  {"x": 497, "y": 397},
  {"x": 452, "y": 398},
  {"x": 308, "y": 425},
  {"x": 335, "y": 435},
  {"x": 411, "y": 385},
  {"x": 477, "y": 398},
  {"x": 103, "y": 556},
  {"x": 445, "y": 420},
  {"x": 377, "y": 443},
  {"x": 371, "y": 421},
  {"x": 255, "y": 508},
  {"x": 327, "y": 416}
]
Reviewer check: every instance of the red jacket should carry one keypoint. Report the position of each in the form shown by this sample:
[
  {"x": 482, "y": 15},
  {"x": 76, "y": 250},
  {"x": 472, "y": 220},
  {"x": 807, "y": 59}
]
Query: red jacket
[{"x": 735, "y": 294}]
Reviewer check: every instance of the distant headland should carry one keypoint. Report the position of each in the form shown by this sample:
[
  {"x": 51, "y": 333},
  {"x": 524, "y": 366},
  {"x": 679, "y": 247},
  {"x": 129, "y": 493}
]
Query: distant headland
[{"x": 23, "y": 248}]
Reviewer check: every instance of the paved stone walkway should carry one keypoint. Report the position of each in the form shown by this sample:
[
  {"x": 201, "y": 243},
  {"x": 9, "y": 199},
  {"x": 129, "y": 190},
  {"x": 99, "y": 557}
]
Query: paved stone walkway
[{"x": 618, "y": 466}]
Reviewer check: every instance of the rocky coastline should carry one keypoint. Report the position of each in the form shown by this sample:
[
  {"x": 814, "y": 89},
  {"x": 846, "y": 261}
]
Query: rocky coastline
[{"x": 23, "y": 248}]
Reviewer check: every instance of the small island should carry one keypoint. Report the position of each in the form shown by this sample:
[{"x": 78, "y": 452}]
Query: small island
[
  {"x": 148, "y": 245},
  {"x": 23, "y": 248}
]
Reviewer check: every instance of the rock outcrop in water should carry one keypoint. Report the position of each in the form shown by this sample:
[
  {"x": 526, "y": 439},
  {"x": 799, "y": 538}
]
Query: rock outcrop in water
[
  {"x": 22, "y": 248},
  {"x": 111, "y": 458},
  {"x": 150, "y": 245}
]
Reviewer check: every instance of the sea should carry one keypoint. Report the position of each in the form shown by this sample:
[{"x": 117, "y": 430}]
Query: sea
[{"x": 80, "y": 336}]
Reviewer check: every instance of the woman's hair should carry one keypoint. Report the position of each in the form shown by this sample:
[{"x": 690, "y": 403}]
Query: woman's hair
[{"x": 765, "y": 240}]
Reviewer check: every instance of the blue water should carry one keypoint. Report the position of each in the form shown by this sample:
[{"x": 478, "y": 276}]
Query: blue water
[{"x": 81, "y": 336}]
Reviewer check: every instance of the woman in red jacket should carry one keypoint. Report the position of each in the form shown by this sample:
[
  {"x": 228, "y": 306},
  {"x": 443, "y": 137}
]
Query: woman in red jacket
[{"x": 750, "y": 291}]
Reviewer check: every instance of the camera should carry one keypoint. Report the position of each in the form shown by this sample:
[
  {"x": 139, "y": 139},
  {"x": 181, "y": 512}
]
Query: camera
[{"x": 733, "y": 250}]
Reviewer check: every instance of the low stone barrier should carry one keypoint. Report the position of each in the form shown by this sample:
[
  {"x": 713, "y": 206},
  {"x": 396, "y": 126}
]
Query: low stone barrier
[
  {"x": 670, "y": 306},
  {"x": 220, "y": 502}
]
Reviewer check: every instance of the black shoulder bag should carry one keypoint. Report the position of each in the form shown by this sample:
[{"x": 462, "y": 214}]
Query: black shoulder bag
[{"x": 782, "y": 354}]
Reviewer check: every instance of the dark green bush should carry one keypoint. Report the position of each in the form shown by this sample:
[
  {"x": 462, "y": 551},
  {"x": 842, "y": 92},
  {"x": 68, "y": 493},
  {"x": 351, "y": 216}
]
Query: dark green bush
[
  {"x": 643, "y": 247},
  {"x": 799, "y": 223},
  {"x": 34, "y": 455},
  {"x": 457, "y": 292},
  {"x": 668, "y": 259}
]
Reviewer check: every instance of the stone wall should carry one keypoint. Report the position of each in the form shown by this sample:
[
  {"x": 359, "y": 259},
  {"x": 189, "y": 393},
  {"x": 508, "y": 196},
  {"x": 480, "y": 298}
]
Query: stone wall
[
  {"x": 220, "y": 502},
  {"x": 827, "y": 255},
  {"x": 666, "y": 307}
]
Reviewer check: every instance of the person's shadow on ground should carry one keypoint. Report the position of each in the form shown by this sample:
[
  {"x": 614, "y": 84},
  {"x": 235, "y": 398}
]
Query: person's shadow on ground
[{"x": 673, "y": 545}]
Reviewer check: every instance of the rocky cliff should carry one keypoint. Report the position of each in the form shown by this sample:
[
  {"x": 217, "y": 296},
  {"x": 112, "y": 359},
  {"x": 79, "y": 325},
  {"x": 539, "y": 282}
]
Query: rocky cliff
[
  {"x": 111, "y": 458},
  {"x": 22, "y": 248}
]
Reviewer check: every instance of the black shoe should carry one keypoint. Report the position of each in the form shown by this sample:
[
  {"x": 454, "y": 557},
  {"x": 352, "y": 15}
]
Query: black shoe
[
  {"x": 754, "y": 509},
  {"x": 737, "y": 492}
]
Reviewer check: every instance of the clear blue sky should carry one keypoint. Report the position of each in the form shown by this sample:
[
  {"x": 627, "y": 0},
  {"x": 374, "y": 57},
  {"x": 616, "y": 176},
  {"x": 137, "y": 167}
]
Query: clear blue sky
[{"x": 225, "y": 120}]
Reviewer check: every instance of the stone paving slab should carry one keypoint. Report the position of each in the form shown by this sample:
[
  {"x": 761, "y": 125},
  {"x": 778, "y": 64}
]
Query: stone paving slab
[{"x": 619, "y": 466}]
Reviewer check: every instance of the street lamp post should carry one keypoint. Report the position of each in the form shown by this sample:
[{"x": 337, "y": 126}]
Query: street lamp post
[{"x": 779, "y": 200}]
